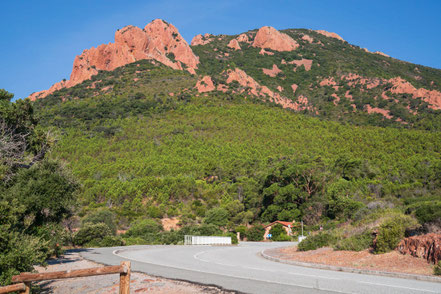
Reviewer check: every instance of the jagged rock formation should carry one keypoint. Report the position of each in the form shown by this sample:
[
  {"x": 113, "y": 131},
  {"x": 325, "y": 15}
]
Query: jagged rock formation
[
  {"x": 330, "y": 35},
  {"x": 205, "y": 85},
  {"x": 159, "y": 41},
  {"x": 381, "y": 53},
  {"x": 273, "y": 72},
  {"x": 401, "y": 86},
  {"x": 270, "y": 38},
  {"x": 243, "y": 38},
  {"x": 234, "y": 44},
  {"x": 257, "y": 90},
  {"x": 308, "y": 38},
  {"x": 425, "y": 246},
  {"x": 307, "y": 63},
  {"x": 201, "y": 40}
]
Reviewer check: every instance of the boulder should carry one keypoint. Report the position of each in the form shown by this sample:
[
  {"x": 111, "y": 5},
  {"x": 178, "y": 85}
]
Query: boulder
[
  {"x": 424, "y": 246},
  {"x": 201, "y": 40},
  {"x": 270, "y": 38},
  {"x": 205, "y": 85},
  {"x": 234, "y": 44}
]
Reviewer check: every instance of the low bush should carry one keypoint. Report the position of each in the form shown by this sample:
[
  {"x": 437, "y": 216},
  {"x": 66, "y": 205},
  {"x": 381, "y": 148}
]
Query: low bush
[
  {"x": 256, "y": 233},
  {"x": 208, "y": 230},
  {"x": 276, "y": 231},
  {"x": 243, "y": 230},
  {"x": 134, "y": 241},
  {"x": 356, "y": 242},
  {"x": 234, "y": 239},
  {"x": 316, "y": 241},
  {"x": 107, "y": 241},
  {"x": 92, "y": 234},
  {"x": 217, "y": 216},
  {"x": 144, "y": 228},
  {"x": 102, "y": 216},
  {"x": 391, "y": 232},
  {"x": 437, "y": 269},
  {"x": 282, "y": 238}
]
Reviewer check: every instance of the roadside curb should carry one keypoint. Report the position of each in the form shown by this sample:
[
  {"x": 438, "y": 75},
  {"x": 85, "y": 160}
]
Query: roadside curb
[{"x": 351, "y": 270}]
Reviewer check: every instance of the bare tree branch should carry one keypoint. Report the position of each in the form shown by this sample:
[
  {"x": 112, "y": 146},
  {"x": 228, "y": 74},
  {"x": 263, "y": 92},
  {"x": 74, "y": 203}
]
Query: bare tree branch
[{"x": 12, "y": 145}]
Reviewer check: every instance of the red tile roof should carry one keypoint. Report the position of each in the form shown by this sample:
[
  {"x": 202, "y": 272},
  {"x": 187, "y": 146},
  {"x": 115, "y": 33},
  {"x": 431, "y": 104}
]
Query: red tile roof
[{"x": 279, "y": 222}]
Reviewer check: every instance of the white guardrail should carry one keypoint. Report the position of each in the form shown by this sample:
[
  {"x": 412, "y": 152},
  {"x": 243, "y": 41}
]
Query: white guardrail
[{"x": 206, "y": 240}]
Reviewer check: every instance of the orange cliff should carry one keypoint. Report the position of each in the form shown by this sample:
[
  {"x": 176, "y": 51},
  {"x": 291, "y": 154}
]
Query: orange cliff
[{"x": 156, "y": 41}]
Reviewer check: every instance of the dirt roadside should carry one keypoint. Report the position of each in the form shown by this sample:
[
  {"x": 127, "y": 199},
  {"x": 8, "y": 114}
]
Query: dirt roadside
[
  {"x": 109, "y": 284},
  {"x": 388, "y": 262}
]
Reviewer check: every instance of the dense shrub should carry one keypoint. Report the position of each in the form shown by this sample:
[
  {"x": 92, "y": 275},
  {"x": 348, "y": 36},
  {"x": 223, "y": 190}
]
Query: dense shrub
[
  {"x": 282, "y": 237},
  {"x": 46, "y": 191},
  {"x": 19, "y": 252},
  {"x": 437, "y": 269},
  {"x": 429, "y": 212},
  {"x": 356, "y": 242},
  {"x": 243, "y": 230},
  {"x": 278, "y": 233},
  {"x": 234, "y": 239},
  {"x": 107, "y": 241},
  {"x": 316, "y": 241},
  {"x": 277, "y": 230},
  {"x": 217, "y": 216},
  {"x": 102, "y": 216},
  {"x": 134, "y": 240},
  {"x": 144, "y": 227},
  {"x": 391, "y": 232},
  {"x": 92, "y": 233},
  {"x": 207, "y": 230},
  {"x": 255, "y": 233},
  {"x": 55, "y": 236}
]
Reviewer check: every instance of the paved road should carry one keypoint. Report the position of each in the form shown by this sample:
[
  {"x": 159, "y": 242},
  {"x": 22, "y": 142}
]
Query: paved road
[{"x": 241, "y": 268}]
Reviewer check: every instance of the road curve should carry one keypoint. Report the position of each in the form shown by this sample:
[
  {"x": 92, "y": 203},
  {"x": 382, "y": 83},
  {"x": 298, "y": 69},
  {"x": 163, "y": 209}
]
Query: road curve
[{"x": 240, "y": 268}]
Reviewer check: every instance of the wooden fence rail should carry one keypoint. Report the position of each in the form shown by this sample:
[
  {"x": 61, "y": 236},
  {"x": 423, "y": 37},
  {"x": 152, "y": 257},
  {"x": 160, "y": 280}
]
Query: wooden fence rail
[
  {"x": 25, "y": 279},
  {"x": 13, "y": 288}
]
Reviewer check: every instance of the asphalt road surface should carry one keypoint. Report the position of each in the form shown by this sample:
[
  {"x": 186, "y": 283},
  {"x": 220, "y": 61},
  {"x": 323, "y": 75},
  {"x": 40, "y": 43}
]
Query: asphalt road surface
[{"x": 241, "y": 268}]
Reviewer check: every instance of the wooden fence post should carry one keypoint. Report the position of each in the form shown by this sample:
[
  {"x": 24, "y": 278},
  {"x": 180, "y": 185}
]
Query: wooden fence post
[
  {"x": 28, "y": 288},
  {"x": 124, "y": 279}
]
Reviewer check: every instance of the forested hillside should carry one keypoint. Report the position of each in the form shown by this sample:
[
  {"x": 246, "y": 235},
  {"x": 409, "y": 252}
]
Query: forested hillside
[{"x": 141, "y": 151}]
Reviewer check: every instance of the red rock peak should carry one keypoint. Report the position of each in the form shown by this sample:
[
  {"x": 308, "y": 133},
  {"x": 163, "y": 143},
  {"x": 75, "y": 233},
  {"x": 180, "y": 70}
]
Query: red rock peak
[{"x": 159, "y": 40}]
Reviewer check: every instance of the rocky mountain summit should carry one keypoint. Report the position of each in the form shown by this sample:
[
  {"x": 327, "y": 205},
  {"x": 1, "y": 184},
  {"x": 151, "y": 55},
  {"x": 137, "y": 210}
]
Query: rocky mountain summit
[
  {"x": 158, "y": 41},
  {"x": 316, "y": 72}
]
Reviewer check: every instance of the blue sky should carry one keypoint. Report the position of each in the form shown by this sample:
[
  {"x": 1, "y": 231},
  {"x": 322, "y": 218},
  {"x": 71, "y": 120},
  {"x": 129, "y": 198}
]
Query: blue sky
[{"x": 40, "y": 39}]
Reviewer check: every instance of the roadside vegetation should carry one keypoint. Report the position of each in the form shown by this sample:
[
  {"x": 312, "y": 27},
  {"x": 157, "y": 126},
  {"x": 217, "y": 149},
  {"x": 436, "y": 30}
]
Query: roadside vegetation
[{"x": 36, "y": 193}]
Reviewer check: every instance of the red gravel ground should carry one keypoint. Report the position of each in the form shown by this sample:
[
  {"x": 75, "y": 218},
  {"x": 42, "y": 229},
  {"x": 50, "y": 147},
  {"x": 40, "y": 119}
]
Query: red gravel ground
[
  {"x": 388, "y": 262},
  {"x": 109, "y": 284}
]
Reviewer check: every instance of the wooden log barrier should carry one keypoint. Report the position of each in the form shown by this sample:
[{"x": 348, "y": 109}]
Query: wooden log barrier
[
  {"x": 124, "y": 279},
  {"x": 123, "y": 270},
  {"x": 13, "y": 288}
]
